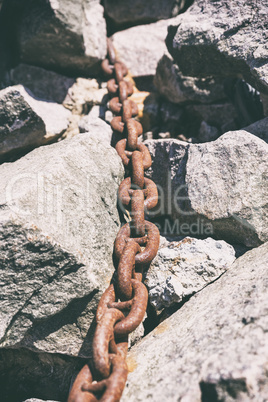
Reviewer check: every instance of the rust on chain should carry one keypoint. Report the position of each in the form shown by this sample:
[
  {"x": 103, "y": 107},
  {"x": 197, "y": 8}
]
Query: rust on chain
[
  {"x": 107, "y": 67},
  {"x": 126, "y": 155},
  {"x": 152, "y": 243},
  {"x": 137, "y": 169},
  {"x": 123, "y": 305},
  {"x": 137, "y": 214},
  {"x": 123, "y": 91},
  {"x": 125, "y": 269},
  {"x": 103, "y": 341},
  {"x": 134, "y": 130},
  {"x": 137, "y": 310},
  {"x": 112, "y": 387},
  {"x": 120, "y": 71},
  {"x": 150, "y": 193},
  {"x": 117, "y": 124},
  {"x": 112, "y": 86},
  {"x": 114, "y": 105}
]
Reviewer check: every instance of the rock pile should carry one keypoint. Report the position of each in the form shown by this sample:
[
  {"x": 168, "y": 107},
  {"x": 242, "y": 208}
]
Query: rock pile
[{"x": 202, "y": 92}]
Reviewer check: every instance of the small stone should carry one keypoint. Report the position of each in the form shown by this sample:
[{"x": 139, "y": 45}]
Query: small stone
[
  {"x": 183, "y": 268},
  {"x": 84, "y": 94},
  {"x": 44, "y": 84},
  {"x": 26, "y": 122}
]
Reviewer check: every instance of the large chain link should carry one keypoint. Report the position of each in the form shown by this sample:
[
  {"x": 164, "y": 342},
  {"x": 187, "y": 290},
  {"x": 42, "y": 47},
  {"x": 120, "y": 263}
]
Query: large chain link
[{"x": 123, "y": 305}]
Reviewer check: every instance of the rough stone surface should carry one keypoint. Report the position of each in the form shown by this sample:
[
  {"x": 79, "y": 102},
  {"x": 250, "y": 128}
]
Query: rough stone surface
[
  {"x": 96, "y": 126},
  {"x": 218, "y": 189},
  {"x": 207, "y": 133},
  {"x": 178, "y": 88},
  {"x": 213, "y": 39},
  {"x": 141, "y": 47},
  {"x": 222, "y": 115},
  {"x": 58, "y": 222},
  {"x": 66, "y": 36},
  {"x": 44, "y": 84},
  {"x": 183, "y": 268},
  {"x": 138, "y": 11},
  {"x": 84, "y": 94},
  {"x": 259, "y": 128},
  {"x": 214, "y": 348},
  {"x": 27, "y": 122}
]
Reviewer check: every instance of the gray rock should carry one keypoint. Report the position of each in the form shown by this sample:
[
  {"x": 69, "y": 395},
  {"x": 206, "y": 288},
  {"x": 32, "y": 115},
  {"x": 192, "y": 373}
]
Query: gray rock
[
  {"x": 141, "y": 47},
  {"x": 96, "y": 126},
  {"x": 138, "y": 11},
  {"x": 58, "y": 221},
  {"x": 183, "y": 268},
  {"x": 70, "y": 37},
  {"x": 178, "y": 88},
  {"x": 37, "y": 400},
  {"x": 259, "y": 128},
  {"x": 207, "y": 133},
  {"x": 213, "y": 39},
  {"x": 26, "y": 122},
  {"x": 84, "y": 94},
  {"x": 44, "y": 84},
  {"x": 222, "y": 115},
  {"x": 216, "y": 189},
  {"x": 214, "y": 348}
]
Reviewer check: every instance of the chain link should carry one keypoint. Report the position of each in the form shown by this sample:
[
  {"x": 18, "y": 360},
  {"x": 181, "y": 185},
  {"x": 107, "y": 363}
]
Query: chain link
[{"x": 123, "y": 305}]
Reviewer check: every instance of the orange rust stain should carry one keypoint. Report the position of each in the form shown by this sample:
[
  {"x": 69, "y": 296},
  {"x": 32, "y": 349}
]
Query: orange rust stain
[
  {"x": 161, "y": 328},
  {"x": 131, "y": 363}
]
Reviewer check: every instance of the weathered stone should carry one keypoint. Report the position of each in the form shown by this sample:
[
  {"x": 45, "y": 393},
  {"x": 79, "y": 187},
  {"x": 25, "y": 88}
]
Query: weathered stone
[
  {"x": 215, "y": 348},
  {"x": 183, "y": 268},
  {"x": 37, "y": 400},
  {"x": 141, "y": 47},
  {"x": 26, "y": 122},
  {"x": 178, "y": 88},
  {"x": 214, "y": 189},
  {"x": 84, "y": 94},
  {"x": 44, "y": 84},
  {"x": 96, "y": 126},
  {"x": 207, "y": 133},
  {"x": 222, "y": 115},
  {"x": 213, "y": 39},
  {"x": 259, "y": 128},
  {"x": 70, "y": 37},
  {"x": 58, "y": 222},
  {"x": 140, "y": 12}
]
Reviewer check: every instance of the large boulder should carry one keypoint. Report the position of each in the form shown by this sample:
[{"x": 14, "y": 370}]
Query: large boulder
[
  {"x": 259, "y": 128},
  {"x": 179, "y": 88},
  {"x": 138, "y": 11},
  {"x": 182, "y": 268},
  {"x": 65, "y": 36},
  {"x": 215, "y": 348},
  {"x": 58, "y": 222},
  {"x": 44, "y": 84},
  {"x": 141, "y": 47},
  {"x": 27, "y": 122},
  {"x": 218, "y": 189},
  {"x": 216, "y": 38}
]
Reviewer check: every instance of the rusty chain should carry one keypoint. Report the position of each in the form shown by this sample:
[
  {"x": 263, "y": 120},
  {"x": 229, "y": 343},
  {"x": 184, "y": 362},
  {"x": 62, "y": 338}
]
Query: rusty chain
[{"x": 123, "y": 305}]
